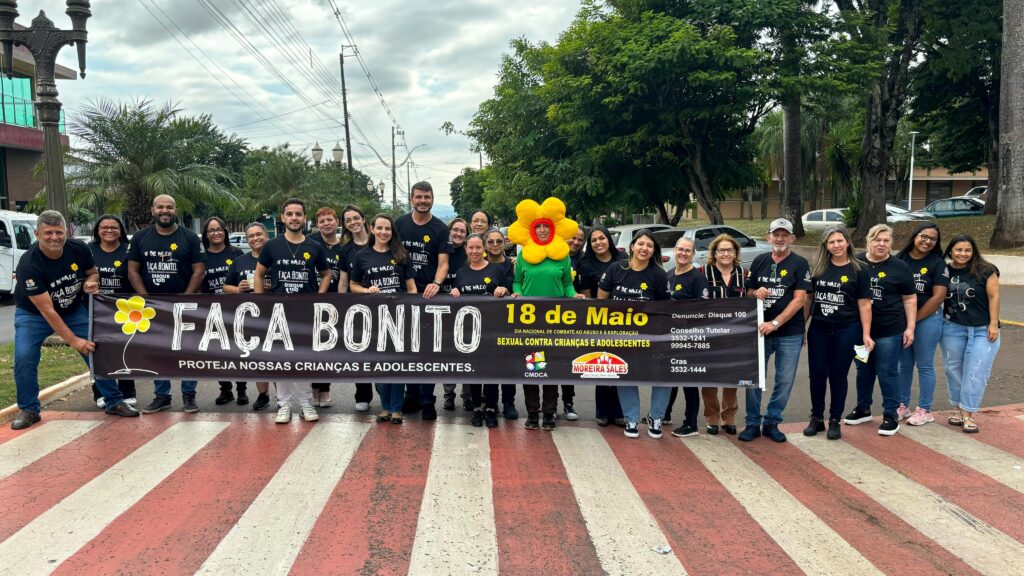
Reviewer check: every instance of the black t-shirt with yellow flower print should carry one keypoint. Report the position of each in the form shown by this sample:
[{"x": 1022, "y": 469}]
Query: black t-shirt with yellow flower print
[
  {"x": 928, "y": 272},
  {"x": 165, "y": 261},
  {"x": 293, "y": 268},
  {"x": 113, "y": 268},
  {"x": 479, "y": 282},
  {"x": 423, "y": 243},
  {"x": 373, "y": 268},
  {"x": 62, "y": 278},
  {"x": 890, "y": 280},
  {"x": 624, "y": 283},
  {"x": 837, "y": 293},
  {"x": 217, "y": 266}
]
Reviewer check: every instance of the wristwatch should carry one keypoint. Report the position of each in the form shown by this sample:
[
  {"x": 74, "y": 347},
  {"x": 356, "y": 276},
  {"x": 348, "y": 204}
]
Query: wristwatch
[
  {"x": 775, "y": 323},
  {"x": 436, "y": 283}
]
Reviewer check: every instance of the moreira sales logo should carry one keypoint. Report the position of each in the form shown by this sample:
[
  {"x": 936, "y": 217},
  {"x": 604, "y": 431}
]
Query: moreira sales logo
[{"x": 600, "y": 365}]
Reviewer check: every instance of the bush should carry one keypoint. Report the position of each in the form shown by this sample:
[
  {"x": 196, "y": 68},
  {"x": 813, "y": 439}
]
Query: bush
[{"x": 852, "y": 212}]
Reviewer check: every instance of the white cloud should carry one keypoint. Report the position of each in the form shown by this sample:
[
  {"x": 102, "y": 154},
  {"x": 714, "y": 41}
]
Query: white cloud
[{"x": 432, "y": 61}]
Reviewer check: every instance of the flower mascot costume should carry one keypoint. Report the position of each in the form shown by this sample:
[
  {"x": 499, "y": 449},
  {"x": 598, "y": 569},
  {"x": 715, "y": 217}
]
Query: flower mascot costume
[{"x": 542, "y": 270}]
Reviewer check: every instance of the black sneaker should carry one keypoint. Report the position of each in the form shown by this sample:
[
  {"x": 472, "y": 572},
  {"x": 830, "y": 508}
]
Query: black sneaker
[
  {"x": 225, "y": 397},
  {"x": 858, "y": 416},
  {"x": 510, "y": 412},
  {"x": 729, "y": 429},
  {"x": 122, "y": 409},
  {"x": 603, "y": 422},
  {"x": 751, "y": 432},
  {"x": 24, "y": 419},
  {"x": 467, "y": 403},
  {"x": 159, "y": 403},
  {"x": 621, "y": 422},
  {"x": 261, "y": 402},
  {"x": 631, "y": 431},
  {"x": 449, "y": 401},
  {"x": 712, "y": 429},
  {"x": 428, "y": 412},
  {"x": 532, "y": 421},
  {"x": 667, "y": 419},
  {"x": 491, "y": 418},
  {"x": 478, "y": 418},
  {"x": 834, "y": 431},
  {"x": 653, "y": 427},
  {"x": 243, "y": 398},
  {"x": 684, "y": 430},
  {"x": 889, "y": 426},
  {"x": 548, "y": 423},
  {"x": 814, "y": 426},
  {"x": 189, "y": 402},
  {"x": 772, "y": 431}
]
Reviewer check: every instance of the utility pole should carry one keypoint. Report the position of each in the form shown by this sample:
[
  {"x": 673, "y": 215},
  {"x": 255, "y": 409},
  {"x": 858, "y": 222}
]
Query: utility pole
[
  {"x": 394, "y": 179},
  {"x": 407, "y": 164},
  {"x": 344, "y": 109}
]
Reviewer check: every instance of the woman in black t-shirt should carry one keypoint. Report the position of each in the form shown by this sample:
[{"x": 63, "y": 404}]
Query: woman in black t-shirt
[
  {"x": 970, "y": 333},
  {"x": 725, "y": 279},
  {"x": 640, "y": 278},
  {"x": 599, "y": 254},
  {"x": 480, "y": 278},
  {"x": 240, "y": 277},
  {"x": 686, "y": 283},
  {"x": 109, "y": 248},
  {"x": 839, "y": 308},
  {"x": 354, "y": 239},
  {"x": 219, "y": 257},
  {"x": 383, "y": 268},
  {"x": 923, "y": 254},
  {"x": 457, "y": 231},
  {"x": 494, "y": 244}
]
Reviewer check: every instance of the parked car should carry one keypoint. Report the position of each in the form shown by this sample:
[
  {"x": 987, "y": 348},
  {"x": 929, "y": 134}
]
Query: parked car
[
  {"x": 623, "y": 235},
  {"x": 979, "y": 192},
  {"x": 959, "y": 206},
  {"x": 17, "y": 234},
  {"x": 702, "y": 236},
  {"x": 894, "y": 213},
  {"x": 237, "y": 239},
  {"x": 820, "y": 220}
]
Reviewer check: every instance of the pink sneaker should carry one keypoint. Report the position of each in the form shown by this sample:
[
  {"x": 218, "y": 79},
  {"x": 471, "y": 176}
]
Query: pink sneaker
[
  {"x": 903, "y": 412},
  {"x": 920, "y": 417}
]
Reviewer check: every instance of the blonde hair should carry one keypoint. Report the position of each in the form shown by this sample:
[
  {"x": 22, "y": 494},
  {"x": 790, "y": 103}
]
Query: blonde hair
[{"x": 878, "y": 229}]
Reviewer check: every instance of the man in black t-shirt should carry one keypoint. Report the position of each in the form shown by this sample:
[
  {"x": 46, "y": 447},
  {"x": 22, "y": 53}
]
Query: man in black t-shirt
[
  {"x": 295, "y": 265},
  {"x": 327, "y": 236},
  {"x": 426, "y": 240},
  {"x": 52, "y": 276},
  {"x": 781, "y": 280},
  {"x": 166, "y": 258}
]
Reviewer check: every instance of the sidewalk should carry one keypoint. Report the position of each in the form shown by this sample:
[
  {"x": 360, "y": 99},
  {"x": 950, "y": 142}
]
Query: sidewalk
[{"x": 226, "y": 493}]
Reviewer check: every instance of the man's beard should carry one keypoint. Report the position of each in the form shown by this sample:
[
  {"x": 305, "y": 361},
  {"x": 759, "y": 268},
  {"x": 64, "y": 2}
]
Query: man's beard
[{"x": 170, "y": 222}]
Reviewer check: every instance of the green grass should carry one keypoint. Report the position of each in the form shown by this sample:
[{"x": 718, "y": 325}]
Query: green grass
[
  {"x": 58, "y": 364},
  {"x": 980, "y": 227}
]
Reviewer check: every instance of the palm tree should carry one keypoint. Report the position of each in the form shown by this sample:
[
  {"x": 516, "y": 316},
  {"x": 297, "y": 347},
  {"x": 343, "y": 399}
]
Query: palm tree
[{"x": 130, "y": 153}]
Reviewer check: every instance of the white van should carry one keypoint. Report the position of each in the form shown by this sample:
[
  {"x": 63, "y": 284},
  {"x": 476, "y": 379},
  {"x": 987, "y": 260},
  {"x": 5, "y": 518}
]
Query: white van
[{"x": 17, "y": 234}]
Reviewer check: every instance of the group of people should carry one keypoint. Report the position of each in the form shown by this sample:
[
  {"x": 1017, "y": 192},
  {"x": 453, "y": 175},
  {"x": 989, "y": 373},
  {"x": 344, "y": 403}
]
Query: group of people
[{"x": 884, "y": 311}]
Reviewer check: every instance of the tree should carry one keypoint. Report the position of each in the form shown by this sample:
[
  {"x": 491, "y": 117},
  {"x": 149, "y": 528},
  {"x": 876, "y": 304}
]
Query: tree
[
  {"x": 956, "y": 87},
  {"x": 467, "y": 191},
  {"x": 132, "y": 152},
  {"x": 887, "y": 31},
  {"x": 1009, "y": 229}
]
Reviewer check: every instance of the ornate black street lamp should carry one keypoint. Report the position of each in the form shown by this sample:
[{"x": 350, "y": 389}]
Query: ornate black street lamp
[{"x": 44, "y": 41}]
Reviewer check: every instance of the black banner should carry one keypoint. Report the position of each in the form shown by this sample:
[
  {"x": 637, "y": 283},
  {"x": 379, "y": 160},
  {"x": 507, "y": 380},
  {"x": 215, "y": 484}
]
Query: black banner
[{"x": 409, "y": 339}]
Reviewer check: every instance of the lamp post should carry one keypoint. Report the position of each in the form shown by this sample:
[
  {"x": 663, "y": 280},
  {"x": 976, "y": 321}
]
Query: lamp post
[
  {"x": 44, "y": 41},
  {"x": 380, "y": 187},
  {"x": 318, "y": 154},
  {"x": 910, "y": 188},
  {"x": 338, "y": 154}
]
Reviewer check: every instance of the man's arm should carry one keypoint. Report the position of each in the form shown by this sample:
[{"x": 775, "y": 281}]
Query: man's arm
[
  {"x": 45, "y": 307},
  {"x": 135, "y": 278},
  {"x": 442, "y": 272},
  {"x": 195, "y": 284},
  {"x": 325, "y": 281}
]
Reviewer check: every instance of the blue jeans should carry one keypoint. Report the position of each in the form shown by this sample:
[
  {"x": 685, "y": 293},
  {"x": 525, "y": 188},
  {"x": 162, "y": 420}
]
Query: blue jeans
[
  {"x": 30, "y": 330},
  {"x": 787, "y": 357},
  {"x": 967, "y": 357},
  {"x": 829, "y": 353},
  {"x": 922, "y": 353},
  {"x": 629, "y": 397},
  {"x": 391, "y": 396},
  {"x": 884, "y": 362},
  {"x": 163, "y": 387}
]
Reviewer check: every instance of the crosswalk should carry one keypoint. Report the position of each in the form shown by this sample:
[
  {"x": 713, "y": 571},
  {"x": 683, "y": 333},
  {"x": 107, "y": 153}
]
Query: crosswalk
[{"x": 233, "y": 493}]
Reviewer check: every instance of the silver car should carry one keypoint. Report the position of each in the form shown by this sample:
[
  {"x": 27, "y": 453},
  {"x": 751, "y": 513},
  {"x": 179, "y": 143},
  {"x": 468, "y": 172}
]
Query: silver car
[{"x": 702, "y": 236}]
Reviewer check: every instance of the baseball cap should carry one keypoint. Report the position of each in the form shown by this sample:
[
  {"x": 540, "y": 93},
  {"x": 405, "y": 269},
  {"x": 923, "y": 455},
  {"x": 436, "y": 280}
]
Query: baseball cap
[{"x": 781, "y": 223}]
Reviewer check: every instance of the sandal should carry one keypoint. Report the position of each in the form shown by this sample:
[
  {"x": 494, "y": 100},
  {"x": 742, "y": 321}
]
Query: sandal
[
  {"x": 383, "y": 417},
  {"x": 396, "y": 417},
  {"x": 970, "y": 426},
  {"x": 957, "y": 419}
]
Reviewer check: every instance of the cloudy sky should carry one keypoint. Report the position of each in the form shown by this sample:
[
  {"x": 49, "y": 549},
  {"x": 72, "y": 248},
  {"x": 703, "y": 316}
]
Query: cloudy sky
[{"x": 432, "y": 61}]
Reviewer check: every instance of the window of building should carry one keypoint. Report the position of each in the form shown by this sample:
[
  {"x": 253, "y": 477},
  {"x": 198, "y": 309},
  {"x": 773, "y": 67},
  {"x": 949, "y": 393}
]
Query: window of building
[
  {"x": 938, "y": 189},
  {"x": 17, "y": 101}
]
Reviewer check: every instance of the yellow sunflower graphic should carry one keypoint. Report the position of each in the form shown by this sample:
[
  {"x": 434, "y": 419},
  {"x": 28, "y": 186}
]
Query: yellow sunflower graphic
[
  {"x": 305, "y": 255},
  {"x": 74, "y": 267},
  {"x": 550, "y": 213},
  {"x": 426, "y": 238},
  {"x": 924, "y": 270},
  {"x": 174, "y": 246},
  {"x": 844, "y": 278},
  {"x": 487, "y": 279},
  {"x": 229, "y": 261},
  {"x": 117, "y": 263},
  {"x": 643, "y": 285},
  {"x": 881, "y": 274},
  {"x": 392, "y": 261},
  {"x": 133, "y": 315},
  {"x": 678, "y": 287},
  {"x": 783, "y": 273}
]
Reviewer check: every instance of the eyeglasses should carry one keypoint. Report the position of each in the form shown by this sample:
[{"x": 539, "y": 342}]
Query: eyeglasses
[
  {"x": 929, "y": 239},
  {"x": 725, "y": 251},
  {"x": 495, "y": 242},
  {"x": 215, "y": 231},
  {"x": 684, "y": 250},
  {"x": 109, "y": 229}
]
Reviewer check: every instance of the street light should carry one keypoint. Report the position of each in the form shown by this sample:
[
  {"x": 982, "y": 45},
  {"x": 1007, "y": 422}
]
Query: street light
[
  {"x": 318, "y": 153},
  {"x": 380, "y": 186},
  {"x": 337, "y": 153},
  {"x": 910, "y": 189},
  {"x": 44, "y": 41}
]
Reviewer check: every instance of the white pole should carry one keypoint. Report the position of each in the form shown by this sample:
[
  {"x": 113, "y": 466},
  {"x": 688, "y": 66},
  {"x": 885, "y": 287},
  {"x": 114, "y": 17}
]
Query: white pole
[{"x": 910, "y": 189}]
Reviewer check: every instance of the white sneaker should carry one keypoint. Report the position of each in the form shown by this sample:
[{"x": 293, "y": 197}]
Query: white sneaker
[
  {"x": 131, "y": 402},
  {"x": 903, "y": 412},
  {"x": 309, "y": 414},
  {"x": 362, "y": 406},
  {"x": 284, "y": 415},
  {"x": 101, "y": 402},
  {"x": 920, "y": 417}
]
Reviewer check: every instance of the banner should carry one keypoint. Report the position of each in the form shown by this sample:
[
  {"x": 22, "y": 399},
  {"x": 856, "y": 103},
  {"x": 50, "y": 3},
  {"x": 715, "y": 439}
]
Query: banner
[{"x": 409, "y": 339}]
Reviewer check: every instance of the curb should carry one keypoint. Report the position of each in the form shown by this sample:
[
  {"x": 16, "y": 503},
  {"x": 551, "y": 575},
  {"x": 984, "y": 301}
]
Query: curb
[{"x": 51, "y": 393}]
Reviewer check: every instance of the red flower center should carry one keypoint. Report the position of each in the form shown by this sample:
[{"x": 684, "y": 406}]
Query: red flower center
[
  {"x": 551, "y": 231},
  {"x": 135, "y": 316}
]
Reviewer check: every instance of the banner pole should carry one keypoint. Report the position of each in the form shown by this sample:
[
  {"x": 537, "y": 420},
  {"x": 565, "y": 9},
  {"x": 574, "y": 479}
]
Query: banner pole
[{"x": 760, "y": 344}]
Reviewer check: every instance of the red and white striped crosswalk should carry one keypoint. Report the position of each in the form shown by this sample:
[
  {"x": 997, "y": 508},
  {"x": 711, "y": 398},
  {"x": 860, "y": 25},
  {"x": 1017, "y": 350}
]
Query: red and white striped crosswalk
[{"x": 233, "y": 493}]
